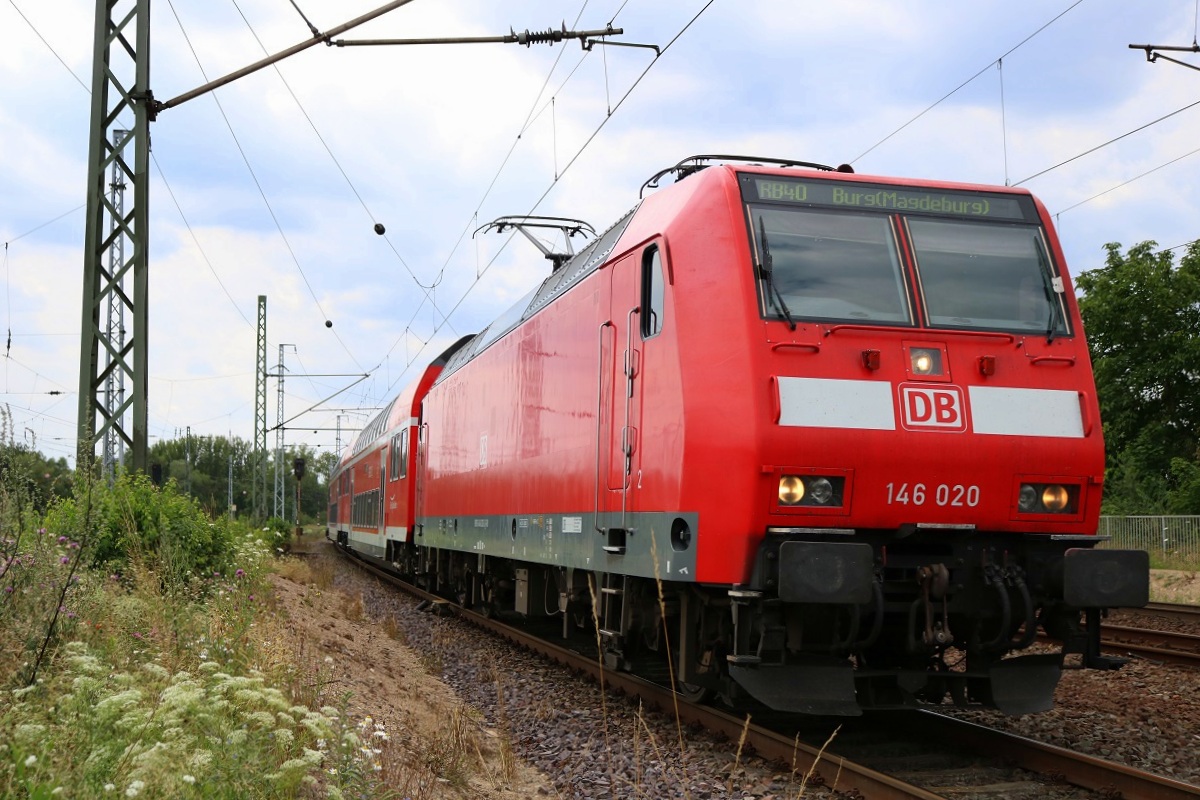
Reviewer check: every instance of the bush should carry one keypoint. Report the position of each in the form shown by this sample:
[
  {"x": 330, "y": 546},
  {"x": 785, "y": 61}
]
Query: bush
[
  {"x": 162, "y": 529},
  {"x": 154, "y": 676}
]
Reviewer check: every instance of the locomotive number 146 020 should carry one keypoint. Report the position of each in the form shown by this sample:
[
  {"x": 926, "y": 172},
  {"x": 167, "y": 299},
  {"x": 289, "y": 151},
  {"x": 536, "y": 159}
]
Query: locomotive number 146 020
[{"x": 918, "y": 494}]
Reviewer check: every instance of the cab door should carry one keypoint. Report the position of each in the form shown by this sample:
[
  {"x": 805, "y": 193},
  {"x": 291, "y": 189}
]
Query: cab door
[{"x": 635, "y": 315}]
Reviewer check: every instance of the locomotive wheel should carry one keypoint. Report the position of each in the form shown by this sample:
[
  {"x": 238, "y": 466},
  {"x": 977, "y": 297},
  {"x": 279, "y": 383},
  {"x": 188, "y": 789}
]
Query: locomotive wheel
[{"x": 693, "y": 693}]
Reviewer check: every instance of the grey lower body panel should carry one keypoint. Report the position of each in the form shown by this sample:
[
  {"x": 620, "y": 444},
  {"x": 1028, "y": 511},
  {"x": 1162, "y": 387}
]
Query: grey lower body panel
[{"x": 650, "y": 544}]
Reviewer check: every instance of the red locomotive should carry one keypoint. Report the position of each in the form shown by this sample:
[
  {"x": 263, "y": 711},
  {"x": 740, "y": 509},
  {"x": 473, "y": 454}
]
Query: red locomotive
[{"x": 823, "y": 439}]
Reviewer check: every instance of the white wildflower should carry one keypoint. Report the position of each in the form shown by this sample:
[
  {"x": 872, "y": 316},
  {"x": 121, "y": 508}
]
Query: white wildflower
[
  {"x": 29, "y": 762},
  {"x": 157, "y": 670}
]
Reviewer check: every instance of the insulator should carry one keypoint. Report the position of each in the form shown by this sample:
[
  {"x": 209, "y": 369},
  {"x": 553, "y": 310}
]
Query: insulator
[{"x": 548, "y": 36}]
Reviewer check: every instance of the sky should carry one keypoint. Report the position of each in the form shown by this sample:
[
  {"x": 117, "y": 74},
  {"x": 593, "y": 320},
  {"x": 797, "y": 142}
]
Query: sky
[{"x": 273, "y": 184}]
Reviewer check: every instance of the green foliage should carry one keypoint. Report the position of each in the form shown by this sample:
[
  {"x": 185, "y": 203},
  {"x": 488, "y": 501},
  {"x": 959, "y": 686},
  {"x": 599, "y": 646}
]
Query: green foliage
[
  {"x": 42, "y": 480},
  {"x": 201, "y": 466},
  {"x": 1184, "y": 496},
  {"x": 159, "y": 672},
  {"x": 163, "y": 528},
  {"x": 1142, "y": 314}
]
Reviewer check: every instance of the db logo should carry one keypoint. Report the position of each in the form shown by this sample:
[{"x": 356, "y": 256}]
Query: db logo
[{"x": 940, "y": 408}]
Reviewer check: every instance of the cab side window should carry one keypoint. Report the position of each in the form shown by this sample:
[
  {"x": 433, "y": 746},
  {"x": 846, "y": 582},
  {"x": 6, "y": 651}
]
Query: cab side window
[{"x": 653, "y": 293}]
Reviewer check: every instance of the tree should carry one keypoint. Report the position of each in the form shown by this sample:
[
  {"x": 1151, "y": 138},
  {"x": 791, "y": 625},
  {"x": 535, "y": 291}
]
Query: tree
[
  {"x": 42, "y": 479},
  {"x": 200, "y": 467},
  {"x": 1142, "y": 314}
]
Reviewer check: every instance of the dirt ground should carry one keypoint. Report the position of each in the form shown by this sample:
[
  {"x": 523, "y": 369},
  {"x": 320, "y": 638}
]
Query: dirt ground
[
  {"x": 430, "y": 747},
  {"x": 1175, "y": 586}
]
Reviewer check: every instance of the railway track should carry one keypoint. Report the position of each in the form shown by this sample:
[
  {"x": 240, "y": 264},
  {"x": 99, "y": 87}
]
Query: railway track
[
  {"x": 1166, "y": 646},
  {"x": 950, "y": 751},
  {"x": 1173, "y": 611}
]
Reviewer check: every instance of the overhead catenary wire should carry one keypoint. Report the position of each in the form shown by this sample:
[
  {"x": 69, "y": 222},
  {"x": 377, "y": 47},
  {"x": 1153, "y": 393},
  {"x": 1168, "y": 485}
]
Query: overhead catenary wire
[
  {"x": 254, "y": 176},
  {"x": 1114, "y": 140},
  {"x": 1003, "y": 118},
  {"x": 955, "y": 90},
  {"x": 571, "y": 162},
  {"x": 531, "y": 115},
  {"x": 1126, "y": 182},
  {"x": 48, "y": 45},
  {"x": 196, "y": 241},
  {"x": 336, "y": 162},
  {"x": 158, "y": 167}
]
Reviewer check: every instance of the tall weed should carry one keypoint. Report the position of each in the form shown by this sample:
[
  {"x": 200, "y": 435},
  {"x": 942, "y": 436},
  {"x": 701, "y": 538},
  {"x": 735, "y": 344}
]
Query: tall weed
[{"x": 137, "y": 657}]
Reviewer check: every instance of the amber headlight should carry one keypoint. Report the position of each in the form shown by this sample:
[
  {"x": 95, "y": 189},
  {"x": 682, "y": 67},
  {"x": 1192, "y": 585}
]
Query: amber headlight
[
  {"x": 1048, "y": 498},
  {"x": 1055, "y": 498},
  {"x": 791, "y": 490},
  {"x": 811, "y": 490}
]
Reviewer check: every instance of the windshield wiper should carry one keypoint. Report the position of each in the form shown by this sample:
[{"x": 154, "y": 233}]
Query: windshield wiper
[
  {"x": 1053, "y": 287},
  {"x": 766, "y": 268}
]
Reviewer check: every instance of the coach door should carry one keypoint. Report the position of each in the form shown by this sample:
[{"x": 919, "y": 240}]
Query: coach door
[{"x": 383, "y": 456}]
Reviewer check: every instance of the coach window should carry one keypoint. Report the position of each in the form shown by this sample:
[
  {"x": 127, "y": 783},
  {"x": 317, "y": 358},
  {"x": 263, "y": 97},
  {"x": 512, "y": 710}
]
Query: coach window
[
  {"x": 402, "y": 459},
  {"x": 653, "y": 293}
]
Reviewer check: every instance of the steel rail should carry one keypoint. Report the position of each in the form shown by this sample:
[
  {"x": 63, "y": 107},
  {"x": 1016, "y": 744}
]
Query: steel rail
[
  {"x": 834, "y": 771},
  {"x": 1167, "y": 646},
  {"x": 1172, "y": 611},
  {"x": 1089, "y": 772}
]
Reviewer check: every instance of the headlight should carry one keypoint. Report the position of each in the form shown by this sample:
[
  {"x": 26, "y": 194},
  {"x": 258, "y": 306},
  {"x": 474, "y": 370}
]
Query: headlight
[
  {"x": 1055, "y": 498},
  {"x": 821, "y": 491},
  {"x": 791, "y": 490},
  {"x": 1028, "y": 499},
  {"x": 1048, "y": 498},
  {"x": 926, "y": 361},
  {"x": 811, "y": 490}
]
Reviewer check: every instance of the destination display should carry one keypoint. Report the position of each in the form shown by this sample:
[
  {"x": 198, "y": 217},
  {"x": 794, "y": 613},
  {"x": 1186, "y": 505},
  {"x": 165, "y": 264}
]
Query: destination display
[{"x": 887, "y": 198}]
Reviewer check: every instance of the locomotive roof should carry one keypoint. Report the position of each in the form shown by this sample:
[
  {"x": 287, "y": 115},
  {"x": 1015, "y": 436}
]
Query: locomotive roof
[{"x": 584, "y": 263}]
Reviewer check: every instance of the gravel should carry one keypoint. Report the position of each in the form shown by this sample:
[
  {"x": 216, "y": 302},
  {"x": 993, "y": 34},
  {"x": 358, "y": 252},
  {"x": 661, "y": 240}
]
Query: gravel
[{"x": 1144, "y": 715}]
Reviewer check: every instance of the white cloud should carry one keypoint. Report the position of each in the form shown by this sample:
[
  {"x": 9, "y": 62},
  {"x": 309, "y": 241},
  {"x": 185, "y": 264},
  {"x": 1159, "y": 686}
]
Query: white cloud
[{"x": 421, "y": 132}]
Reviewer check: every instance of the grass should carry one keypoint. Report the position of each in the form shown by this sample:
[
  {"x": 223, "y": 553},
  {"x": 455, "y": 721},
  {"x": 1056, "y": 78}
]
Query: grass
[
  {"x": 1175, "y": 586},
  {"x": 128, "y": 671},
  {"x": 141, "y": 654}
]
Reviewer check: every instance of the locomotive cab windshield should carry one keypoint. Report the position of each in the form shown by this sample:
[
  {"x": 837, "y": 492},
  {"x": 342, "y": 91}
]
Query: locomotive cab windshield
[{"x": 905, "y": 257}]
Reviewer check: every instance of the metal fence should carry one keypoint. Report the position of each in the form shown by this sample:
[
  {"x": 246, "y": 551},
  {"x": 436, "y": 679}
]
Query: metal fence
[{"x": 1172, "y": 538}]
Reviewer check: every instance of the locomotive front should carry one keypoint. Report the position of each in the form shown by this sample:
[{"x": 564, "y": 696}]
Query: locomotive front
[{"x": 931, "y": 475}]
